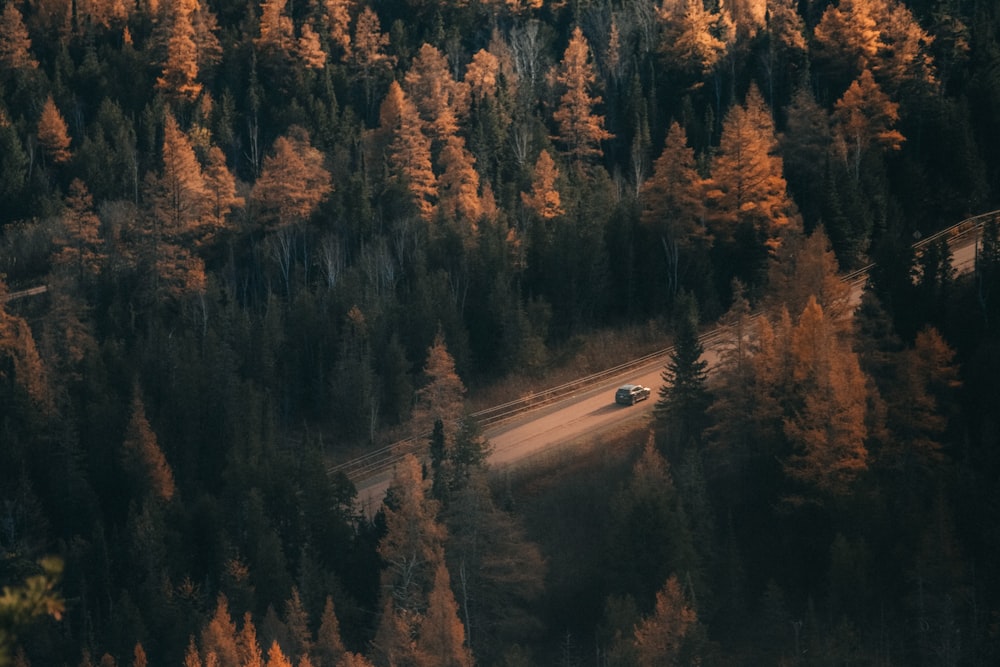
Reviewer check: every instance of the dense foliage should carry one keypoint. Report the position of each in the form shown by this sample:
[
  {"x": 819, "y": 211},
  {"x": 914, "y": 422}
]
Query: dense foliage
[{"x": 275, "y": 234}]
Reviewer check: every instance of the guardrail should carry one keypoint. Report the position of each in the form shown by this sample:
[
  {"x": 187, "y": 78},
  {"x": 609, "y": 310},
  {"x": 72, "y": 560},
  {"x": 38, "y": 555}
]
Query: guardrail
[
  {"x": 20, "y": 294},
  {"x": 384, "y": 458}
]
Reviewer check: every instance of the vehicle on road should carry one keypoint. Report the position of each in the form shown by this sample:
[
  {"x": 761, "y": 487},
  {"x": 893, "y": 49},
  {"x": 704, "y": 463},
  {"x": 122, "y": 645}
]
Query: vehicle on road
[{"x": 630, "y": 394}]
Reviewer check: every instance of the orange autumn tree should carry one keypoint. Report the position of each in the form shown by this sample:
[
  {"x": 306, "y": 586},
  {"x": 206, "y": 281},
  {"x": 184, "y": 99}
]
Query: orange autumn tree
[
  {"x": 441, "y": 642},
  {"x": 409, "y": 151},
  {"x": 825, "y": 420},
  {"x": 292, "y": 182},
  {"x": 747, "y": 186},
  {"x": 20, "y": 364},
  {"x": 53, "y": 134},
  {"x": 672, "y": 205},
  {"x": 180, "y": 69},
  {"x": 459, "y": 185},
  {"x": 865, "y": 118},
  {"x": 659, "y": 638},
  {"x": 338, "y": 23},
  {"x": 693, "y": 35},
  {"x": 15, "y": 44},
  {"x": 176, "y": 198},
  {"x": 143, "y": 456},
  {"x": 81, "y": 244},
  {"x": 580, "y": 129},
  {"x": 276, "y": 30},
  {"x": 439, "y": 99},
  {"x": 544, "y": 200}
]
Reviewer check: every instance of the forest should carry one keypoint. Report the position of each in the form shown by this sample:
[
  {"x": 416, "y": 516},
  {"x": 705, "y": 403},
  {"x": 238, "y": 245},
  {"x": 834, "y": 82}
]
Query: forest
[{"x": 243, "y": 241}]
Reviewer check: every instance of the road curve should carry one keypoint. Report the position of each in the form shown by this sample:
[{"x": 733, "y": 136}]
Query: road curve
[{"x": 586, "y": 413}]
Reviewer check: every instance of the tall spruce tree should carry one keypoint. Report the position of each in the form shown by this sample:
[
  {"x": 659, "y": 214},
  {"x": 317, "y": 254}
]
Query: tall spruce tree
[{"x": 681, "y": 411}]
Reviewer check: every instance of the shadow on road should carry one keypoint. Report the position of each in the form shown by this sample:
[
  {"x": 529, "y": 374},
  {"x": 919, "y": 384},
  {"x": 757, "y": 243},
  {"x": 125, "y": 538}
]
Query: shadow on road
[{"x": 607, "y": 409}]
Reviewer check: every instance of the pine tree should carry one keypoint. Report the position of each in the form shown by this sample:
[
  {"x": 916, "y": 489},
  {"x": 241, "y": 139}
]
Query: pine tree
[
  {"x": 681, "y": 411},
  {"x": 847, "y": 38},
  {"x": 441, "y": 642},
  {"x": 81, "y": 246},
  {"x": 219, "y": 639},
  {"x": 865, "y": 117},
  {"x": 693, "y": 35},
  {"x": 660, "y": 638},
  {"x": 580, "y": 129},
  {"x": 409, "y": 150},
  {"x": 139, "y": 656},
  {"x": 144, "y": 457},
  {"x": 246, "y": 644},
  {"x": 673, "y": 205},
  {"x": 180, "y": 70},
  {"x": 220, "y": 186},
  {"x": 338, "y": 23},
  {"x": 297, "y": 624},
  {"x": 276, "y": 657},
  {"x": 329, "y": 647},
  {"x": 53, "y": 134},
  {"x": 459, "y": 186},
  {"x": 309, "y": 49},
  {"x": 442, "y": 397},
  {"x": 368, "y": 50},
  {"x": 440, "y": 100},
  {"x": 15, "y": 44},
  {"x": 292, "y": 182},
  {"x": 747, "y": 187},
  {"x": 544, "y": 200},
  {"x": 276, "y": 30},
  {"x": 826, "y": 425}
]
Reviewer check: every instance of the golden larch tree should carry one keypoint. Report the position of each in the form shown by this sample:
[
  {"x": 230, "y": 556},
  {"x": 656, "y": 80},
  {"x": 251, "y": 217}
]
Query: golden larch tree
[
  {"x": 848, "y": 35},
  {"x": 143, "y": 455},
  {"x": 659, "y": 638},
  {"x": 481, "y": 75},
  {"x": 459, "y": 184},
  {"x": 368, "y": 50},
  {"x": 672, "y": 200},
  {"x": 81, "y": 245},
  {"x": 220, "y": 185},
  {"x": 580, "y": 129},
  {"x": 747, "y": 185},
  {"x": 309, "y": 50},
  {"x": 219, "y": 637},
  {"x": 441, "y": 642},
  {"x": 180, "y": 69},
  {"x": 15, "y": 44},
  {"x": 865, "y": 119},
  {"x": 409, "y": 150},
  {"x": 440, "y": 100},
  {"x": 413, "y": 550},
  {"x": 825, "y": 423},
  {"x": 443, "y": 395},
  {"x": 276, "y": 657},
  {"x": 53, "y": 134},
  {"x": 292, "y": 182},
  {"x": 544, "y": 200},
  {"x": 139, "y": 658},
  {"x": 338, "y": 23},
  {"x": 920, "y": 403},
  {"x": 276, "y": 29},
  {"x": 247, "y": 646},
  {"x": 693, "y": 35},
  {"x": 329, "y": 647}
]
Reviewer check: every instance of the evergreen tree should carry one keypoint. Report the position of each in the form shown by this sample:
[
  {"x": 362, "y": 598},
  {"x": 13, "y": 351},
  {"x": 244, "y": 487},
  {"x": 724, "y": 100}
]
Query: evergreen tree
[
  {"x": 681, "y": 411},
  {"x": 660, "y": 638},
  {"x": 53, "y": 134},
  {"x": 580, "y": 129}
]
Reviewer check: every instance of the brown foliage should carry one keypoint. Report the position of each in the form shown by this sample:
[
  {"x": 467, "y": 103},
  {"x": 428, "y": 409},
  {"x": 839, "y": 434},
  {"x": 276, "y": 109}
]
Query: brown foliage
[
  {"x": 544, "y": 200},
  {"x": 15, "y": 44},
  {"x": 659, "y": 638},
  {"x": 580, "y": 130},
  {"x": 53, "y": 134},
  {"x": 293, "y": 181}
]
